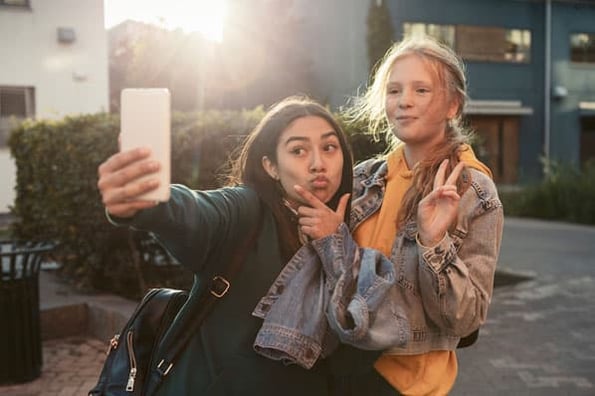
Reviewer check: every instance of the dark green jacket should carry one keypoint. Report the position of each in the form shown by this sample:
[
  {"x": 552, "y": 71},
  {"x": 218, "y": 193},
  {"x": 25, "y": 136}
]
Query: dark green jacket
[{"x": 201, "y": 230}]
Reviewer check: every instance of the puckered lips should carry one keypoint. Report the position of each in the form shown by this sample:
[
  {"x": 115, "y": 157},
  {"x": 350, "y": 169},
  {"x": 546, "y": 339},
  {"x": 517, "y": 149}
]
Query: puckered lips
[{"x": 319, "y": 182}]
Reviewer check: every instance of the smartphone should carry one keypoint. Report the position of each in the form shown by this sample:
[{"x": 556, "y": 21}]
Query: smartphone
[{"x": 145, "y": 121}]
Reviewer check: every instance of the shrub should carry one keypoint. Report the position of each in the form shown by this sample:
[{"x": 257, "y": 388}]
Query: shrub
[
  {"x": 566, "y": 194},
  {"x": 57, "y": 197}
]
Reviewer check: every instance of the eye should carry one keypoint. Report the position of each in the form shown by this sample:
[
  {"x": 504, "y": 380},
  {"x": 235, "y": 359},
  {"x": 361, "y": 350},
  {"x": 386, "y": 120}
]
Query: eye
[
  {"x": 422, "y": 90},
  {"x": 297, "y": 151},
  {"x": 331, "y": 147},
  {"x": 393, "y": 91}
]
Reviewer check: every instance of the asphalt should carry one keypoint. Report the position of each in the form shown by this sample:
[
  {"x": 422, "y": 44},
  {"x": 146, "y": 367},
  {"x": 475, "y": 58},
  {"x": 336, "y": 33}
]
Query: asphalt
[
  {"x": 538, "y": 339},
  {"x": 539, "y": 336}
]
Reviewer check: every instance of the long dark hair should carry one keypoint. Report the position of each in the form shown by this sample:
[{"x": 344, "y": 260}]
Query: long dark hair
[{"x": 263, "y": 141}]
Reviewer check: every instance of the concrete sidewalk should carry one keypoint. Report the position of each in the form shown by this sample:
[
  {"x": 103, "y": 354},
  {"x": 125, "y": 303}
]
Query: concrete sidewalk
[{"x": 538, "y": 339}]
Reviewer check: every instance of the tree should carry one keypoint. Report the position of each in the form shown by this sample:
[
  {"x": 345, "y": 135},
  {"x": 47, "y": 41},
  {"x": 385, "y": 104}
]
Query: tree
[
  {"x": 380, "y": 33},
  {"x": 259, "y": 62},
  {"x": 145, "y": 56},
  {"x": 263, "y": 60}
]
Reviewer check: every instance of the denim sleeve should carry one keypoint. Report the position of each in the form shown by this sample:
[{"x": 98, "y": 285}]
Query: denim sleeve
[
  {"x": 457, "y": 275},
  {"x": 194, "y": 226},
  {"x": 364, "y": 307}
]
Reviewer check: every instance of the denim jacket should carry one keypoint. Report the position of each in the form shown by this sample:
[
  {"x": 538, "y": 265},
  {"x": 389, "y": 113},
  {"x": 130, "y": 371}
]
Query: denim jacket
[
  {"x": 295, "y": 328},
  {"x": 445, "y": 289},
  {"x": 440, "y": 294}
]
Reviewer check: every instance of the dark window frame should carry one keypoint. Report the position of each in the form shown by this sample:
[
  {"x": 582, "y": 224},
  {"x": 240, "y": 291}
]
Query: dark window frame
[
  {"x": 508, "y": 58},
  {"x": 26, "y": 4},
  {"x": 584, "y": 55},
  {"x": 7, "y": 121}
]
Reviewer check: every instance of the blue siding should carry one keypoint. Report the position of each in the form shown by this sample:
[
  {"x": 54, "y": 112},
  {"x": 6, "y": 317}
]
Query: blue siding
[
  {"x": 578, "y": 79},
  {"x": 524, "y": 82}
]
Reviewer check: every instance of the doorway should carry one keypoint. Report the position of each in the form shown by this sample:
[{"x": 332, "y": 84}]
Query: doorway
[{"x": 497, "y": 145}]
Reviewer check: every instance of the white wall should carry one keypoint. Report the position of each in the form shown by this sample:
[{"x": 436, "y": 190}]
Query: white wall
[{"x": 68, "y": 78}]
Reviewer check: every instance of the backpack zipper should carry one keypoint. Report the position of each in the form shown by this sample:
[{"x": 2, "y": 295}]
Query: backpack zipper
[{"x": 132, "y": 358}]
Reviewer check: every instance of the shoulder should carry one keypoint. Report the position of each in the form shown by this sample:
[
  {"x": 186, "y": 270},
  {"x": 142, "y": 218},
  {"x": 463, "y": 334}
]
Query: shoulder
[
  {"x": 227, "y": 205},
  {"x": 369, "y": 167},
  {"x": 482, "y": 192}
]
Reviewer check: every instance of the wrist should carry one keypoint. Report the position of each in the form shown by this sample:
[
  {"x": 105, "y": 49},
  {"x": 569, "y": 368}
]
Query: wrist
[{"x": 429, "y": 242}]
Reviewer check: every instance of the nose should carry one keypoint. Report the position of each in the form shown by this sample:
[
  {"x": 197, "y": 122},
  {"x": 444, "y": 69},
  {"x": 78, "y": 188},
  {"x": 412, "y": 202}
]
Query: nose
[
  {"x": 405, "y": 99},
  {"x": 317, "y": 163}
]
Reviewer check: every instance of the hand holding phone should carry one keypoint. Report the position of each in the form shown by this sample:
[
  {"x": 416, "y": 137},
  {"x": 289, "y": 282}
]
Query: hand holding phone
[{"x": 145, "y": 122}]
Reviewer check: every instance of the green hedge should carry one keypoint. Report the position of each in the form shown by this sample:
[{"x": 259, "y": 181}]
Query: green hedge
[
  {"x": 57, "y": 197},
  {"x": 566, "y": 194}
]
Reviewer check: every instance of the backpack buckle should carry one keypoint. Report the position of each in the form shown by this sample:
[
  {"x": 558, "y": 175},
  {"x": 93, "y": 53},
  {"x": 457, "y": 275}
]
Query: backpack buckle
[{"x": 219, "y": 286}]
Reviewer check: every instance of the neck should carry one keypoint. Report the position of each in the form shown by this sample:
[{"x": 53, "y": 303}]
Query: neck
[
  {"x": 418, "y": 151},
  {"x": 412, "y": 155}
]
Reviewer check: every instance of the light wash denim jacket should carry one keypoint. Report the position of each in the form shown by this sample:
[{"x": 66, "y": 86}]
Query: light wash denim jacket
[
  {"x": 295, "y": 329},
  {"x": 443, "y": 292}
]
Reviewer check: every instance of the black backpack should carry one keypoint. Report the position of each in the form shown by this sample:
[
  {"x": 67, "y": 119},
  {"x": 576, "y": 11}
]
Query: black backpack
[{"x": 142, "y": 354}]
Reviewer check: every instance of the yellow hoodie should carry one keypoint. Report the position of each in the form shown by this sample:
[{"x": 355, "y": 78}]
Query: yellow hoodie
[{"x": 431, "y": 373}]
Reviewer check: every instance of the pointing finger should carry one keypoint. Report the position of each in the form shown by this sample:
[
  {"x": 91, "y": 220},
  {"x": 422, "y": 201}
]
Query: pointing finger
[
  {"x": 342, "y": 205},
  {"x": 310, "y": 198}
]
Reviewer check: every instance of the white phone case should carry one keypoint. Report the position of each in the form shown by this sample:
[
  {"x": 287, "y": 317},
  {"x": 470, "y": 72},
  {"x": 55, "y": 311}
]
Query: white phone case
[{"x": 145, "y": 121}]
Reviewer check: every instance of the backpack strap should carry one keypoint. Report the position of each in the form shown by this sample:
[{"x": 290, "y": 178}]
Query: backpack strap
[{"x": 200, "y": 302}]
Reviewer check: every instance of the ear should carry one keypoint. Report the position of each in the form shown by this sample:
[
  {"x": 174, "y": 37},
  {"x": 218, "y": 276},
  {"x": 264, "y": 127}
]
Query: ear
[
  {"x": 453, "y": 109},
  {"x": 270, "y": 168}
]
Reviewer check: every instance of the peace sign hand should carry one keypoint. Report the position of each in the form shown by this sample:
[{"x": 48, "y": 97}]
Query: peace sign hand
[
  {"x": 437, "y": 211},
  {"x": 318, "y": 220}
]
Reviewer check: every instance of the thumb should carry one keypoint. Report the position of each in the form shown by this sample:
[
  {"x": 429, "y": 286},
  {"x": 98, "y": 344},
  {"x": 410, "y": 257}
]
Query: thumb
[{"x": 342, "y": 206}]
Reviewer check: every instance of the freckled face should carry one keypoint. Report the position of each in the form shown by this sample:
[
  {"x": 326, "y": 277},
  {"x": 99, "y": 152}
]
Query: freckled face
[
  {"x": 417, "y": 104},
  {"x": 308, "y": 154}
]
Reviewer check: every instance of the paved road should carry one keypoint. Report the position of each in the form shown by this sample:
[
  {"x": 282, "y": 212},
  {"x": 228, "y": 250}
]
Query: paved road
[{"x": 540, "y": 334}]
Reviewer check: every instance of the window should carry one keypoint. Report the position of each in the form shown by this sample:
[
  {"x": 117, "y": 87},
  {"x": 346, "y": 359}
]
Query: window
[
  {"x": 582, "y": 47},
  {"x": 443, "y": 33},
  {"x": 15, "y": 3},
  {"x": 16, "y": 103},
  {"x": 479, "y": 43},
  {"x": 495, "y": 44}
]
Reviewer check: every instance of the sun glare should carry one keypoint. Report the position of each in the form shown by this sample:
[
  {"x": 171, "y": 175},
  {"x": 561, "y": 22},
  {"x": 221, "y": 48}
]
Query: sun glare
[{"x": 204, "y": 16}]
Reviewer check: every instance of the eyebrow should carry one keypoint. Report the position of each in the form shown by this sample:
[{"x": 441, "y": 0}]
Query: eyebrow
[
  {"x": 305, "y": 139},
  {"x": 389, "y": 83}
]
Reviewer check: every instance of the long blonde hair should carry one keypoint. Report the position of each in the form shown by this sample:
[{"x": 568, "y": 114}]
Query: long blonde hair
[{"x": 371, "y": 108}]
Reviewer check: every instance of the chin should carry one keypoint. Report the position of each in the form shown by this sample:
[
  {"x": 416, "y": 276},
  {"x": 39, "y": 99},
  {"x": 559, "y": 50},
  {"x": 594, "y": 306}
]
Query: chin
[{"x": 323, "y": 198}]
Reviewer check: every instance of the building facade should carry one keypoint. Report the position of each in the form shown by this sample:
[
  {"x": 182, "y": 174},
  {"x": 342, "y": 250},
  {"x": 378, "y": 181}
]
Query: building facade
[
  {"x": 531, "y": 69},
  {"x": 530, "y": 65},
  {"x": 54, "y": 63}
]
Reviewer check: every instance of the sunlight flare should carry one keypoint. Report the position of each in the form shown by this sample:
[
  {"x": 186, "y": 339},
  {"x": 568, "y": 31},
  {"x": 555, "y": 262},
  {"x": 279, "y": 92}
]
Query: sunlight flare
[{"x": 204, "y": 16}]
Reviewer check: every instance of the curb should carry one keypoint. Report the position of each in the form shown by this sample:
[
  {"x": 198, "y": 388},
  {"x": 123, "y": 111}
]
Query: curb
[{"x": 66, "y": 313}]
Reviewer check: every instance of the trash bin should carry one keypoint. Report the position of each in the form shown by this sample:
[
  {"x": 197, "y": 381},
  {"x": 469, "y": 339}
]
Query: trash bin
[{"x": 20, "y": 333}]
